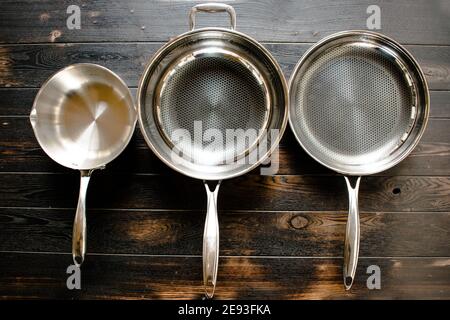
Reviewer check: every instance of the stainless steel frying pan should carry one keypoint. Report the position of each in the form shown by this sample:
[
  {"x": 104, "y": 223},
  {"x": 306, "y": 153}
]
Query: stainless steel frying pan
[
  {"x": 83, "y": 117},
  {"x": 358, "y": 105},
  {"x": 221, "y": 80}
]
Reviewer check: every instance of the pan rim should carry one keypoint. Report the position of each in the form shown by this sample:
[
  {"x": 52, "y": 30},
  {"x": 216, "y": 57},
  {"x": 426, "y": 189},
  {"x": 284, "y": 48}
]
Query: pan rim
[
  {"x": 133, "y": 124},
  {"x": 381, "y": 164},
  {"x": 244, "y": 167}
]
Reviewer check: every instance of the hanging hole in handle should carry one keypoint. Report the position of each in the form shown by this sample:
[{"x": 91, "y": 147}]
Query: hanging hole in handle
[
  {"x": 212, "y": 8},
  {"x": 348, "y": 282},
  {"x": 210, "y": 288},
  {"x": 396, "y": 191},
  {"x": 78, "y": 260}
]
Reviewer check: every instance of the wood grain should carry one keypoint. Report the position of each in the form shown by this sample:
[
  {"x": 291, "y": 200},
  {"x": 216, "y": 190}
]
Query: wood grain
[
  {"x": 153, "y": 277},
  {"x": 248, "y": 192},
  {"x": 20, "y": 152},
  {"x": 17, "y": 102},
  {"x": 267, "y": 20},
  {"x": 31, "y": 65},
  {"x": 243, "y": 233},
  {"x": 281, "y": 236},
  {"x": 430, "y": 157}
]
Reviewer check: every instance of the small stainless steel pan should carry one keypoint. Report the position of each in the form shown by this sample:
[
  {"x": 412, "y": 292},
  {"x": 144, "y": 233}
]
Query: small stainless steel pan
[
  {"x": 358, "y": 105},
  {"x": 83, "y": 117}
]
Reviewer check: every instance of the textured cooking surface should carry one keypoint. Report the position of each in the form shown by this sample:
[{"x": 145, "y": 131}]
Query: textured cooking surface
[
  {"x": 217, "y": 93},
  {"x": 351, "y": 102}
]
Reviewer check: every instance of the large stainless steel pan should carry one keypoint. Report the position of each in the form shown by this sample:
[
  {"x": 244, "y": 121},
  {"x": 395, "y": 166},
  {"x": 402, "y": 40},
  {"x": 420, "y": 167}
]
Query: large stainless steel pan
[
  {"x": 358, "y": 105},
  {"x": 83, "y": 117},
  {"x": 208, "y": 81}
]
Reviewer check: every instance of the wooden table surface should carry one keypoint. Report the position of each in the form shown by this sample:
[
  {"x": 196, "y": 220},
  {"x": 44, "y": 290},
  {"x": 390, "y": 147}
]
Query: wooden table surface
[{"x": 281, "y": 236}]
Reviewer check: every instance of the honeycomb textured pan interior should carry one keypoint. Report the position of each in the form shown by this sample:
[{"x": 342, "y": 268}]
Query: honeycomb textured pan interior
[
  {"x": 352, "y": 103},
  {"x": 218, "y": 93}
]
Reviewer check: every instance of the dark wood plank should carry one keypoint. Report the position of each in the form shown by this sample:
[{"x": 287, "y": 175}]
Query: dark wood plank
[
  {"x": 20, "y": 152},
  {"x": 440, "y": 104},
  {"x": 18, "y": 102},
  {"x": 268, "y": 20},
  {"x": 430, "y": 157},
  {"x": 137, "y": 277},
  {"x": 31, "y": 65},
  {"x": 248, "y": 192},
  {"x": 41, "y": 61},
  {"x": 243, "y": 233},
  {"x": 281, "y": 236}
]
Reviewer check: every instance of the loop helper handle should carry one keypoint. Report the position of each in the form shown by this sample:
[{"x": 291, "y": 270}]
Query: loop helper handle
[{"x": 212, "y": 8}]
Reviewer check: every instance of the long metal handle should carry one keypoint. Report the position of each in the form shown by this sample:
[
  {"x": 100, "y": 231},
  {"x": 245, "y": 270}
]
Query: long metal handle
[
  {"x": 79, "y": 224},
  {"x": 351, "y": 246},
  {"x": 211, "y": 241},
  {"x": 211, "y": 8}
]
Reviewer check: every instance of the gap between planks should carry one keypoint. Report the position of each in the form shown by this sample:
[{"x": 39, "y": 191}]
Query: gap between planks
[
  {"x": 223, "y": 257},
  {"x": 188, "y": 211},
  {"x": 13, "y": 44},
  {"x": 332, "y": 174}
]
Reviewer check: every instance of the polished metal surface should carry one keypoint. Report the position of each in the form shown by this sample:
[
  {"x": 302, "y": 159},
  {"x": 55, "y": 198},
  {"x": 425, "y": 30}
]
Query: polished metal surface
[
  {"x": 222, "y": 93},
  {"x": 223, "y": 80},
  {"x": 352, "y": 232},
  {"x": 212, "y": 8},
  {"x": 359, "y": 104},
  {"x": 208, "y": 44},
  {"x": 83, "y": 117},
  {"x": 211, "y": 240},
  {"x": 355, "y": 104},
  {"x": 79, "y": 224}
]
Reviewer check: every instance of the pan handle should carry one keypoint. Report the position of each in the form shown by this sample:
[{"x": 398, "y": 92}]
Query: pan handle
[
  {"x": 211, "y": 241},
  {"x": 211, "y": 8},
  {"x": 351, "y": 246},
  {"x": 79, "y": 224}
]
